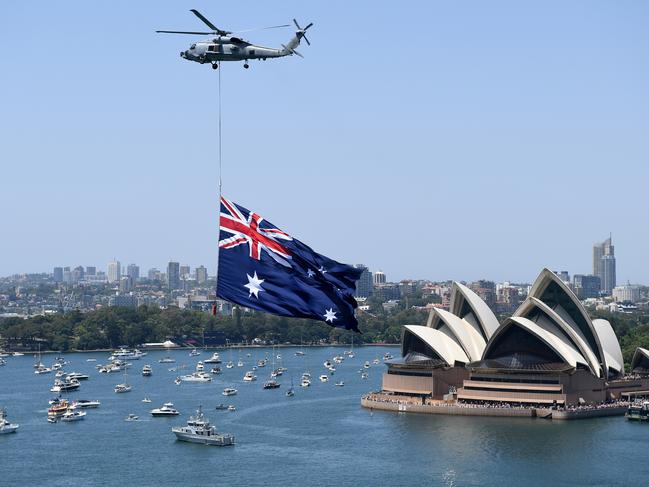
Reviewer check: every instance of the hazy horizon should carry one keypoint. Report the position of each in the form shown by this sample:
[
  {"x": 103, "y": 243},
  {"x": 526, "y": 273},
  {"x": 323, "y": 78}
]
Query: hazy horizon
[{"x": 428, "y": 140}]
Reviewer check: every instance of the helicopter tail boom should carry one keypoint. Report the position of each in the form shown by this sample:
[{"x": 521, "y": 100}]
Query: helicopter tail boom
[{"x": 295, "y": 41}]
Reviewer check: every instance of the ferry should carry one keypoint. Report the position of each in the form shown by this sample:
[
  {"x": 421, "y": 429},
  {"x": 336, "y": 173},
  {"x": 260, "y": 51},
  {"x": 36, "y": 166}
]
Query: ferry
[
  {"x": 638, "y": 411},
  {"x": 199, "y": 430}
]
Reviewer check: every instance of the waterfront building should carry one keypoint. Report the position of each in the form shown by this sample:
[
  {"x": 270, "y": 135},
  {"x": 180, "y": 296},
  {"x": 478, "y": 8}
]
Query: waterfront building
[
  {"x": 57, "y": 275},
  {"x": 114, "y": 271},
  {"x": 586, "y": 286},
  {"x": 364, "y": 286},
  {"x": 133, "y": 271},
  {"x": 627, "y": 293},
  {"x": 379, "y": 278},
  {"x": 173, "y": 275},
  {"x": 550, "y": 352},
  {"x": 201, "y": 274},
  {"x": 604, "y": 265}
]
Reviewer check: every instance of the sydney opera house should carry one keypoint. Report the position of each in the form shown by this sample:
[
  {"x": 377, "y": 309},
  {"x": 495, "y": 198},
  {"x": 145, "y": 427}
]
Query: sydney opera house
[{"x": 548, "y": 353}]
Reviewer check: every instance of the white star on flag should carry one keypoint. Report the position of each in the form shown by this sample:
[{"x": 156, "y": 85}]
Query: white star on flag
[
  {"x": 322, "y": 269},
  {"x": 330, "y": 315},
  {"x": 254, "y": 285},
  {"x": 310, "y": 273}
]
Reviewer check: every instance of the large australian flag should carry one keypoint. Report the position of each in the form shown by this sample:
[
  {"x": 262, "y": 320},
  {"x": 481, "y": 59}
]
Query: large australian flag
[{"x": 261, "y": 267}]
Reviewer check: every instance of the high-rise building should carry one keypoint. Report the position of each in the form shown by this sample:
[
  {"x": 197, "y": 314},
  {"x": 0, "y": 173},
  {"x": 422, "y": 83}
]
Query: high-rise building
[
  {"x": 173, "y": 275},
  {"x": 604, "y": 265},
  {"x": 91, "y": 270},
  {"x": 78, "y": 274},
  {"x": 114, "y": 271},
  {"x": 184, "y": 271},
  {"x": 125, "y": 284},
  {"x": 153, "y": 274},
  {"x": 57, "y": 275},
  {"x": 133, "y": 271},
  {"x": 67, "y": 275},
  {"x": 627, "y": 293},
  {"x": 379, "y": 278},
  {"x": 586, "y": 286},
  {"x": 201, "y": 274},
  {"x": 364, "y": 286}
]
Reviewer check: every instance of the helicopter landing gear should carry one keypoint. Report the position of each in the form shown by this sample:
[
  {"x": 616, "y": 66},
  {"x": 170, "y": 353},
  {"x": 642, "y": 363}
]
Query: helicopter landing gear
[
  {"x": 215, "y": 65},
  {"x": 246, "y": 65}
]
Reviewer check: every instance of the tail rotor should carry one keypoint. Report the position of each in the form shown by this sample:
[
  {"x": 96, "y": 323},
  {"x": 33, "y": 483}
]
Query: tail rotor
[{"x": 301, "y": 33}]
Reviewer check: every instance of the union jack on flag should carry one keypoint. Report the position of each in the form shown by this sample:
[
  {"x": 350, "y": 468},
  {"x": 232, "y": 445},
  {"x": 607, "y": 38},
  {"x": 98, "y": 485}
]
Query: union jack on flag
[{"x": 264, "y": 268}]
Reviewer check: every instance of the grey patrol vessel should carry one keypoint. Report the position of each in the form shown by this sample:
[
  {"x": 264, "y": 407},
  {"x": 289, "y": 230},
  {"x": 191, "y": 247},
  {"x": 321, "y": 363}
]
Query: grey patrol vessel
[{"x": 199, "y": 430}]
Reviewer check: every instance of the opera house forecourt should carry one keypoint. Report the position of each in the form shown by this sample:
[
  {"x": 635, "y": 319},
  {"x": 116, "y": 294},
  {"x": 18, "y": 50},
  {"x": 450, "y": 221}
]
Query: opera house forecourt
[{"x": 549, "y": 359}]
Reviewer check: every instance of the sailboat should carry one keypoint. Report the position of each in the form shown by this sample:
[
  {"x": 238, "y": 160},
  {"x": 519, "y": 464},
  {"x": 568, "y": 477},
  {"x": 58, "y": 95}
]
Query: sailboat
[
  {"x": 124, "y": 387},
  {"x": 271, "y": 383},
  {"x": 290, "y": 392},
  {"x": 350, "y": 353}
]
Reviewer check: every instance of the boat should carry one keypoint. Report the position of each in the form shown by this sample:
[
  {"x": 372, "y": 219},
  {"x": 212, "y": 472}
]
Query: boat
[
  {"x": 194, "y": 353},
  {"x": 229, "y": 391},
  {"x": 5, "y": 426},
  {"x": 146, "y": 399},
  {"x": 2, "y": 361},
  {"x": 638, "y": 411},
  {"x": 365, "y": 375},
  {"x": 78, "y": 376},
  {"x": 271, "y": 384},
  {"x": 340, "y": 383},
  {"x": 366, "y": 365},
  {"x": 42, "y": 370},
  {"x": 91, "y": 360},
  {"x": 339, "y": 359},
  {"x": 215, "y": 370},
  {"x": 350, "y": 352},
  {"x": 324, "y": 378},
  {"x": 290, "y": 392},
  {"x": 327, "y": 364},
  {"x": 387, "y": 356},
  {"x": 126, "y": 354},
  {"x": 131, "y": 417},
  {"x": 58, "y": 407},
  {"x": 240, "y": 363},
  {"x": 147, "y": 371},
  {"x": 86, "y": 403},
  {"x": 305, "y": 382},
  {"x": 376, "y": 361},
  {"x": 167, "y": 409},
  {"x": 262, "y": 363},
  {"x": 196, "y": 377},
  {"x": 64, "y": 385},
  {"x": 73, "y": 415},
  {"x": 200, "y": 367},
  {"x": 4, "y": 354},
  {"x": 199, "y": 430},
  {"x": 177, "y": 381},
  {"x": 249, "y": 377},
  {"x": 229, "y": 365},
  {"x": 277, "y": 372},
  {"x": 232, "y": 408},
  {"x": 299, "y": 353},
  {"x": 214, "y": 359},
  {"x": 221, "y": 407},
  {"x": 167, "y": 360},
  {"x": 120, "y": 388},
  {"x": 17, "y": 354}
]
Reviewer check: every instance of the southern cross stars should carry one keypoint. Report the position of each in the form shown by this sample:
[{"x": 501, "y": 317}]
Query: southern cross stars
[
  {"x": 254, "y": 285},
  {"x": 310, "y": 273},
  {"x": 330, "y": 315}
]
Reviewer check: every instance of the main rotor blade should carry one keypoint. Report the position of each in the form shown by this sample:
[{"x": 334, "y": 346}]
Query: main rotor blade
[
  {"x": 308, "y": 26},
  {"x": 207, "y": 22},
  {"x": 307, "y": 40},
  {"x": 295, "y": 52},
  {"x": 262, "y": 28},
  {"x": 297, "y": 25},
  {"x": 183, "y": 32}
]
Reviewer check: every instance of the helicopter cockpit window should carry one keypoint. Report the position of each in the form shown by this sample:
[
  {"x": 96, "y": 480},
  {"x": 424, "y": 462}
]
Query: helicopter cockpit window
[
  {"x": 211, "y": 47},
  {"x": 193, "y": 46},
  {"x": 235, "y": 40}
]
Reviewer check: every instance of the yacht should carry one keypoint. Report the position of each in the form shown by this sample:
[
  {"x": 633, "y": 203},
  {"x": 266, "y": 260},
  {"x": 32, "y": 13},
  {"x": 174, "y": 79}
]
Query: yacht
[
  {"x": 131, "y": 417},
  {"x": 221, "y": 407},
  {"x": 17, "y": 354},
  {"x": 340, "y": 383},
  {"x": 147, "y": 371},
  {"x": 167, "y": 409},
  {"x": 324, "y": 378},
  {"x": 327, "y": 364},
  {"x": 199, "y": 430},
  {"x": 42, "y": 370},
  {"x": 232, "y": 408},
  {"x": 229, "y": 391},
  {"x": 271, "y": 384},
  {"x": 65, "y": 384},
  {"x": 200, "y": 367},
  {"x": 229, "y": 365},
  {"x": 85, "y": 403},
  {"x": 215, "y": 370},
  {"x": 120, "y": 388},
  {"x": 250, "y": 376},
  {"x": 146, "y": 399},
  {"x": 376, "y": 361},
  {"x": 277, "y": 372},
  {"x": 196, "y": 377},
  {"x": 366, "y": 365},
  {"x": 177, "y": 381},
  {"x": 299, "y": 353},
  {"x": 194, "y": 353},
  {"x": 126, "y": 354},
  {"x": 167, "y": 360},
  {"x": 339, "y": 359},
  {"x": 2, "y": 361},
  {"x": 5, "y": 426},
  {"x": 262, "y": 363},
  {"x": 77, "y": 376},
  {"x": 4, "y": 354},
  {"x": 290, "y": 392},
  {"x": 387, "y": 356},
  {"x": 240, "y": 363},
  {"x": 306, "y": 382},
  {"x": 214, "y": 359},
  {"x": 73, "y": 415}
]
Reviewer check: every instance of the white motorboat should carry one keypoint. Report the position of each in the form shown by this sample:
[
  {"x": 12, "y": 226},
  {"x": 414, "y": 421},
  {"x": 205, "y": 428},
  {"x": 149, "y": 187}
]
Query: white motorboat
[
  {"x": 18, "y": 354},
  {"x": 91, "y": 360},
  {"x": 262, "y": 363},
  {"x": 232, "y": 408},
  {"x": 387, "y": 356},
  {"x": 77, "y": 376},
  {"x": 215, "y": 370},
  {"x": 196, "y": 377},
  {"x": 126, "y": 354},
  {"x": 57, "y": 365},
  {"x": 121, "y": 388},
  {"x": 299, "y": 353},
  {"x": 167, "y": 360},
  {"x": 229, "y": 391},
  {"x": 365, "y": 375},
  {"x": 86, "y": 403},
  {"x": 199, "y": 430},
  {"x": 229, "y": 365},
  {"x": 73, "y": 415},
  {"x": 194, "y": 353},
  {"x": 167, "y": 409},
  {"x": 327, "y": 364},
  {"x": 271, "y": 384},
  {"x": 240, "y": 363},
  {"x": 340, "y": 383},
  {"x": 366, "y": 365},
  {"x": 5, "y": 426},
  {"x": 214, "y": 359},
  {"x": 131, "y": 417},
  {"x": 250, "y": 376},
  {"x": 2, "y": 361},
  {"x": 376, "y": 361},
  {"x": 42, "y": 370},
  {"x": 306, "y": 382},
  {"x": 147, "y": 370},
  {"x": 200, "y": 367},
  {"x": 64, "y": 385},
  {"x": 324, "y": 378},
  {"x": 146, "y": 399}
]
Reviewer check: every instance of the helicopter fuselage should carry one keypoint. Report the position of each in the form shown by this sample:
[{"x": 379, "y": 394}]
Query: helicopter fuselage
[{"x": 229, "y": 49}]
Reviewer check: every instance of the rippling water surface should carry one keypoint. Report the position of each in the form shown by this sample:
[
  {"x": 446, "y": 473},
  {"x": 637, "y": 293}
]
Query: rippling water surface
[{"x": 321, "y": 436}]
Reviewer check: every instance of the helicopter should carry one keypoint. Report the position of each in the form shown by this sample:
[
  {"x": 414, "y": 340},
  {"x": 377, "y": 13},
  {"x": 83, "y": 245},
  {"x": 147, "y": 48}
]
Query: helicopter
[{"x": 227, "y": 47}]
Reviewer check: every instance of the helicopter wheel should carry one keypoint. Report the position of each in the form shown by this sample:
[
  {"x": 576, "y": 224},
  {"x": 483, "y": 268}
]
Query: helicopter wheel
[
  {"x": 246, "y": 66},
  {"x": 215, "y": 66}
]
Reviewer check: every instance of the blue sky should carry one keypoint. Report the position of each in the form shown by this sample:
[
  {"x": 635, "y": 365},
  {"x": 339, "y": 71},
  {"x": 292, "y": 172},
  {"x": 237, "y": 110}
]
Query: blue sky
[{"x": 442, "y": 140}]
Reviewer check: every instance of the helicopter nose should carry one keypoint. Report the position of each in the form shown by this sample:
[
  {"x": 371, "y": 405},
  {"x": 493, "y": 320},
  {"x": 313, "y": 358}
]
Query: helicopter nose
[{"x": 183, "y": 54}]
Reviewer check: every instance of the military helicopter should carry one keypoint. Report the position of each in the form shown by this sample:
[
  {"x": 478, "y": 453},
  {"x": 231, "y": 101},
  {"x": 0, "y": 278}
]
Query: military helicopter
[{"x": 226, "y": 47}]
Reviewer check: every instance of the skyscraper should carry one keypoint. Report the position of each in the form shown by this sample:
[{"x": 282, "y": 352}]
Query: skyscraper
[
  {"x": 133, "y": 271},
  {"x": 364, "y": 286},
  {"x": 91, "y": 270},
  {"x": 604, "y": 264},
  {"x": 184, "y": 271},
  {"x": 201, "y": 274},
  {"x": 58, "y": 274},
  {"x": 114, "y": 271},
  {"x": 173, "y": 275},
  {"x": 379, "y": 278}
]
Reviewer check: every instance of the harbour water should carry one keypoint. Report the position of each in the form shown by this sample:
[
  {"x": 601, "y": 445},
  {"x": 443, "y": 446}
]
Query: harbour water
[{"x": 321, "y": 436}]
